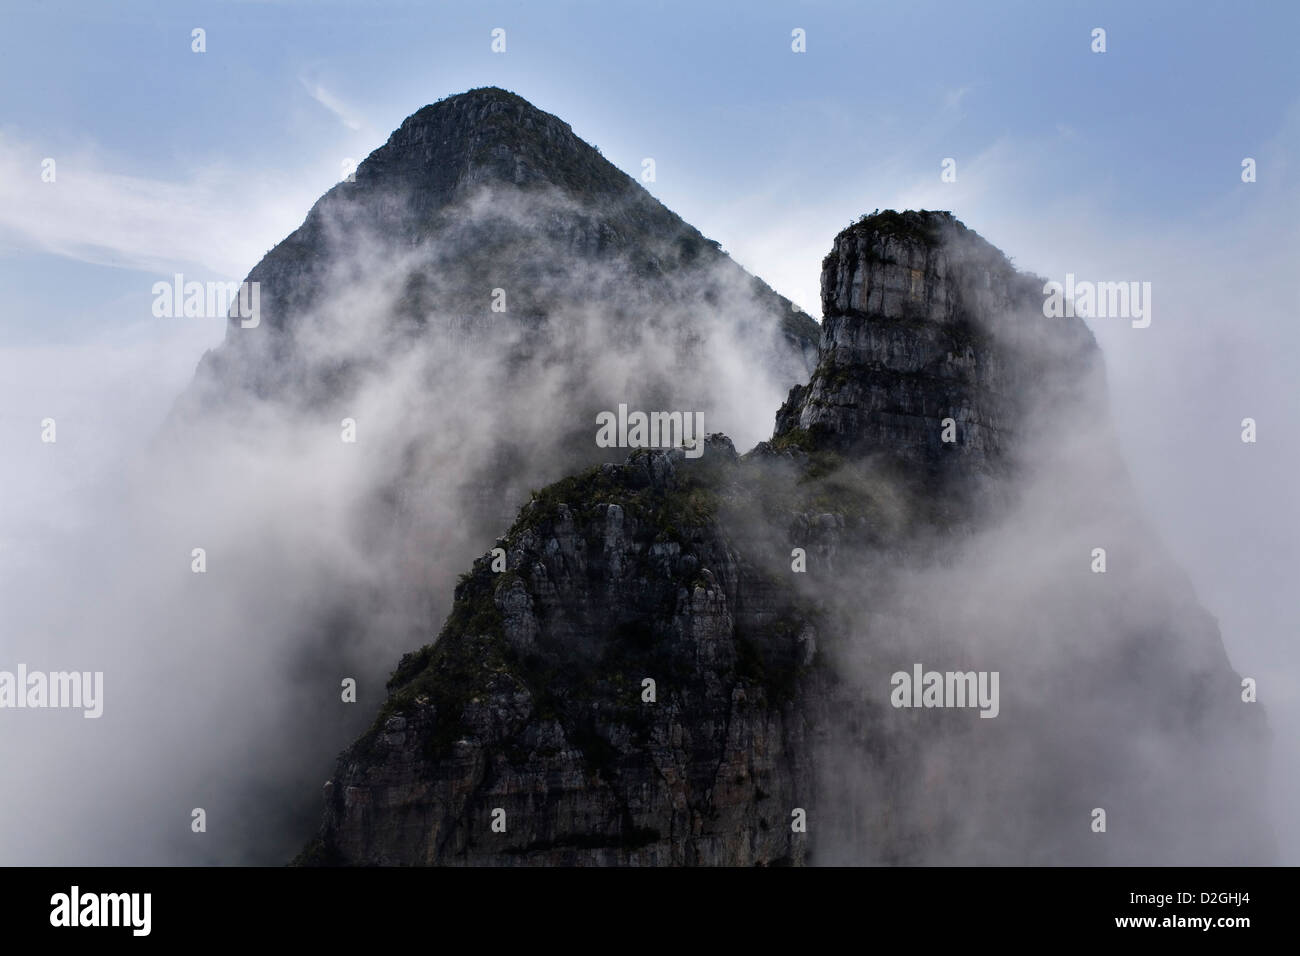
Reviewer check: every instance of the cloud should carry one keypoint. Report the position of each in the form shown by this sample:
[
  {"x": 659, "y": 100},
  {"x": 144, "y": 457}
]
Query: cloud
[
  {"x": 219, "y": 218},
  {"x": 1222, "y": 346},
  {"x": 325, "y": 559},
  {"x": 1221, "y": 340},
  {"x": 325, "y": 98}
]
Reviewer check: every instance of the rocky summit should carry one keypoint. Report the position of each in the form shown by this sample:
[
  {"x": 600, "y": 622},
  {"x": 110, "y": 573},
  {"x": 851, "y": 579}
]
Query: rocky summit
[
  {"x": 507, "y": 284},
  {"x": 725, "y": 659},
  {"x": 437, "y": 340},
  {"x": 484, "y": 215}
]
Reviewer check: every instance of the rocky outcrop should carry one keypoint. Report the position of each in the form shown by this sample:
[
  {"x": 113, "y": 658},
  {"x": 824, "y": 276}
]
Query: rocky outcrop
[
  {"x": 464, "y": 309},
  {"x": 622, "y": 692},
  {"x": 771, "y": 598},
  {"x": 923, "y": 322}
]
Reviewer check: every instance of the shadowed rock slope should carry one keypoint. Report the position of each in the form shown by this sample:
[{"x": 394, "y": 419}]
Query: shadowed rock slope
[
  {"x": 477, "y": 192},
  {"x": 485, "y": 287},
  {"x": 464, "y": 309},
  {"x": 772, "y": 597}
]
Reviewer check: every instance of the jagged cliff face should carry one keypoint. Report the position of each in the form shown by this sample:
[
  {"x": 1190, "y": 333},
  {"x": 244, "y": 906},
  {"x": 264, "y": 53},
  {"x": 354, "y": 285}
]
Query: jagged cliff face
[
  {"x": 925, "y": 321},
  {"x": 772, "y": 598},
  {"x": 532, "y": 703},
  {"x": 434, "y": 343}
]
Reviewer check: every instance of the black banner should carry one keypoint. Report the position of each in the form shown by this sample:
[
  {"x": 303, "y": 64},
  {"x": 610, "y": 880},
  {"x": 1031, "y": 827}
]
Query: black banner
[{"x": 333, "y": 906}]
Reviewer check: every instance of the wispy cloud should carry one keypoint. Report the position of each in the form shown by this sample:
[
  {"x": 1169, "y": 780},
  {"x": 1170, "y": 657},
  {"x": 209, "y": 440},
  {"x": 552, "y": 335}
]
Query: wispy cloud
[
  {"x": 346, "y": 115},
  {"x": 219, "y": 219}
]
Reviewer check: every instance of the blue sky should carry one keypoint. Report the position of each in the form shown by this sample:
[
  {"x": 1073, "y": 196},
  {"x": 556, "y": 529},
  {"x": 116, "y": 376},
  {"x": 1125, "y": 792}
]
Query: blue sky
[
  {"x": 768, "y": 151},
  {"x": 1116, "y": 166}
]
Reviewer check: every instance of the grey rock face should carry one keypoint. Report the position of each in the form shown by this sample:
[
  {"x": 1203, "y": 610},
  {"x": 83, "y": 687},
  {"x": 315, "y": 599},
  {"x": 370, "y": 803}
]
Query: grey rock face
[
  {"x": 537, "y": 706},
  {"x": 487, "y": 285},
  {"x": 925, "y": 321},
  {"x": 772, "y": 681}
]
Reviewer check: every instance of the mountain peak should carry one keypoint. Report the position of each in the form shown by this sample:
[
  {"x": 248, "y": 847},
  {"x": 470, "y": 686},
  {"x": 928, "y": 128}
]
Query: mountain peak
[
  {"x": 479, "y": 192},
  {"x": 487, "y": 179},
  {"x": 924, "y": 225},
  {"x": 929, "y": 339},
  {"x": 477, "y": 103},
  {"x": 492, "y": 135}
]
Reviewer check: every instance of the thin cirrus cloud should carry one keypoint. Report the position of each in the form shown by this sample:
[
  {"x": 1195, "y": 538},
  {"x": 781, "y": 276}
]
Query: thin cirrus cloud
[
  {"x": 345, "y": 114},
  {"x": 217, "y": 219}
]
